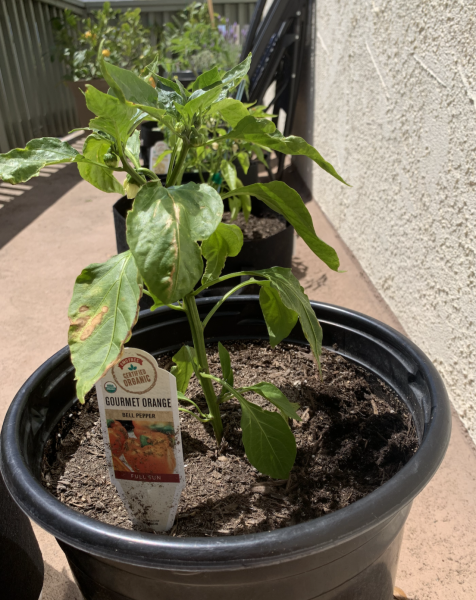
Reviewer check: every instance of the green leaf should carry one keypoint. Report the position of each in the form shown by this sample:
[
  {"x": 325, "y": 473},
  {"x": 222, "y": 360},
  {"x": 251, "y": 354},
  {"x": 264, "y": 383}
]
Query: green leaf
[
  {"x": 133, "y": 145},
  {"x": 201, "y": 100},
  {"x": 276, "y": 397},
  {"x": 134, "y": 88},
  {"x": 114, "y": 117},
  {"x": 228, "y": 171},
  {"x": 163, "y": 228},
  {"x": 263, "y": 132},
  {"x": 269, "y": 443},
  {"x": 225, "y": 363},
  {"x": 21, "y": 164},
  {"x": 102, "y": 312},
  {"x": 287, "y": 202},
  {"x": 95, "y": 147},
  {"x": 183, "y": 370},
  {"x": 143, "y": 441},
  {"x": 244, "y": 160},
  {"x": 205, "y": 79},
  {"x": 235, "y": 206},
  {"x": 245, "y": 201},
  {"x": 293, "y": 297},
  {"x": 280, "y": 320},
  {"x": 234, "y": 76},
  {"x": 226, "y": 240},
  {"x": 232, "y": 111}
]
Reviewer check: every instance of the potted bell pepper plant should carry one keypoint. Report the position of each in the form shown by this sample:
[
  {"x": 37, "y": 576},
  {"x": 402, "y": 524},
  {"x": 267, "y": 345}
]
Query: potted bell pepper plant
[{"x": 171, "y": 230}]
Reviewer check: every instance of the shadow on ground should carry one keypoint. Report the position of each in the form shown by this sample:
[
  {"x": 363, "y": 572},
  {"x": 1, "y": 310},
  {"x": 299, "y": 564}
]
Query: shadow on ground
[
  {"x": 59, "y": 586},
  {"x": 22, "y": 210}
]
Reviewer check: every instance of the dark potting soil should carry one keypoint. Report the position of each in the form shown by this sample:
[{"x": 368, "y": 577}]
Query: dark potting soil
[
  {"x": 257, "y": 228},
  {"x": 355, "y": 434}
]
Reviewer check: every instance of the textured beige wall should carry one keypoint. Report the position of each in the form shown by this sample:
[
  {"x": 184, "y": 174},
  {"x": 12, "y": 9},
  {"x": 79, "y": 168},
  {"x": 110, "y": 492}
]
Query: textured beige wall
[{"x": 394, "y": 111}]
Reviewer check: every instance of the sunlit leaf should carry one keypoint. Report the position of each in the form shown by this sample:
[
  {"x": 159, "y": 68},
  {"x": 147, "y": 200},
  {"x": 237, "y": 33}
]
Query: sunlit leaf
[
  {"x": 103, "y": 310},
  {"x": 95, "y": 147},
  {"x": 226, "y": 240},
  {"x": 21, "y": 164},
  {"x": 114, "y": 117},
  {"x": 183, "y": 368},
  {"x": 274, "y": 395},
  {"x": 163, "y": 228},
  {"x": 263, "y": 132},
  {"x": 287, "y": 202}
]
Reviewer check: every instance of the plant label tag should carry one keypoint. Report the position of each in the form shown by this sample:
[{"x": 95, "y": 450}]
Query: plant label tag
[
  {"x": 141, "y": 430},
  {"x": 159, "y": 152}
]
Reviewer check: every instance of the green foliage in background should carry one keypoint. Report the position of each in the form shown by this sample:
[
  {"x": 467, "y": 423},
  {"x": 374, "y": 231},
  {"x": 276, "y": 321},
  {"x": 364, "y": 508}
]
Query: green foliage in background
[{"x": 126, "y": 42}]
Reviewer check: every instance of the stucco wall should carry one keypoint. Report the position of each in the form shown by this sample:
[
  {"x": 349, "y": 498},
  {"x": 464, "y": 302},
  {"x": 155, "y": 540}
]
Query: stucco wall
[{"x": 394, "y": 111}]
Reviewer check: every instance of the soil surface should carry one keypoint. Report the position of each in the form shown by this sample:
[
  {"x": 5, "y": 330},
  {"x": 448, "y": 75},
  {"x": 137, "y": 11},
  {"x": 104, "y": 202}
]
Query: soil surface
[
  {"x": 355, "y": 434},
  {"x": 257, "y": 228}
]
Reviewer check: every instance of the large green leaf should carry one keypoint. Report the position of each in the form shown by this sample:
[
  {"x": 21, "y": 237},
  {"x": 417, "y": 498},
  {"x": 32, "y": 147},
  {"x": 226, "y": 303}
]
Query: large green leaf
[
  {"x": 183, "y": 368},
  {"x": 163, "y": 228},
  {"x": 21, "y": 164},
  {"x": 294, "y": 298},
  {"x": 274, "y": 395},
  {"x": 234, "y": 76},
  {"x": 101, "y": 177},
  {"x": 201, "y": 100},
  {"x": 263, "y": 132},
  {"x": 134, "y": 88},
  {"x": 226, "y": 240},
  {"x": 206, "y": 79},
  {"x": 103, "y": 310},
  {"x": 232, "y": 111},
  {"x": 116, "y": 118},
  {"x": 269, "y": 443},
  {"x": 286, "y": 201},
  {"x": 280, "y": 320}
]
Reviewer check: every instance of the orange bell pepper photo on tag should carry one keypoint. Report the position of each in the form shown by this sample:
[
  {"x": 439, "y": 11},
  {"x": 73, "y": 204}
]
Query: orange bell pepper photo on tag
[
  {"x": 117, "y": 436},
  {"x": 150, "y": 455}
]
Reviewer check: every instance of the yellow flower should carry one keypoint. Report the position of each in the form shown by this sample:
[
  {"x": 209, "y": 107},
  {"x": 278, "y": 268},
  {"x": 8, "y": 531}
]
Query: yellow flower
[
  {"x": 106, "y": 53},
  {"x": 88, "y": 34}
]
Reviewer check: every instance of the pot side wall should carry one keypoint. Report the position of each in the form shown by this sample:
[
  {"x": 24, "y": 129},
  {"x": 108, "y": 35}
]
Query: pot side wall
[{"x": 389, "y": 99}]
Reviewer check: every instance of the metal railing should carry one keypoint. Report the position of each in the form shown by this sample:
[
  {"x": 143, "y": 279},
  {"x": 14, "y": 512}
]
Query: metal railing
[{"x": 34, "y": 101}]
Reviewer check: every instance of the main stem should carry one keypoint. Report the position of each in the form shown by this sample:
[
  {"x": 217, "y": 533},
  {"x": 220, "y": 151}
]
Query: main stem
[{"x": 201, "y": 352}]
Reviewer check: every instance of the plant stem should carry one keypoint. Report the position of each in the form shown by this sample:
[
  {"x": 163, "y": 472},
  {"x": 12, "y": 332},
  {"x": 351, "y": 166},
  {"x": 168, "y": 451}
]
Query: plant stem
[
  {"x": 227, "y": 295},
  {"x": 176, "y": 175},
  {"x": 222, "y": 278},
  {"x": 201, "y": 353},
  {"x": 135, "y": 177}
]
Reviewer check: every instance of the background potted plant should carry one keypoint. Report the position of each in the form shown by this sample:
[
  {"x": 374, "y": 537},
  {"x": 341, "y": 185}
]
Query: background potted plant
[
  {"x": 171, "y": 229},
  {"x": 126, "y": 42}
]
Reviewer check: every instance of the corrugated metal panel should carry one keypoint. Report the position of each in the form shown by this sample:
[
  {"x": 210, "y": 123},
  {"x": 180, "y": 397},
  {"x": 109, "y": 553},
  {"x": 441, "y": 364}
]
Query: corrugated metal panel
[{"x": 34, "y": 102}]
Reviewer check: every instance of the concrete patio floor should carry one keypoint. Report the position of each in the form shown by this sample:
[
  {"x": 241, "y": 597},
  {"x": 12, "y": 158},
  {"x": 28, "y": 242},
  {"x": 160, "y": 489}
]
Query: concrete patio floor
[{"x": 58, "y": 224}]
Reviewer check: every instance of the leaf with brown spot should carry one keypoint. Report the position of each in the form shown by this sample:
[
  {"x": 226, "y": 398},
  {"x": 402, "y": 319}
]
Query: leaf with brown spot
[
  {"x": 163, "y": 228},
  {"x": 103, "y": 310}
]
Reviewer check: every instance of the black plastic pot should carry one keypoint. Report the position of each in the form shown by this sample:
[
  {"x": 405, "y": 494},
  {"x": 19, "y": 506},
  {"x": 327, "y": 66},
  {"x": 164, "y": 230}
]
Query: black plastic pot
[
  {"x": 21, "y": 563},
  {"x": 350, "y": 554},
  {"x": 148, "y": 138}
]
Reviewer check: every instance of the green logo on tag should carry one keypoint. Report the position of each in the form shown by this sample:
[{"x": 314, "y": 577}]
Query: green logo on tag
[
  {"x": 110, "y": 387},
  {"x": 132, "y": 368}
]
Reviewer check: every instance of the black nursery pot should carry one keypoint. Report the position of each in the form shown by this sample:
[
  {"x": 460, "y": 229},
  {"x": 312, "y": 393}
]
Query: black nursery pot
[{"x": 350, "y": 554}]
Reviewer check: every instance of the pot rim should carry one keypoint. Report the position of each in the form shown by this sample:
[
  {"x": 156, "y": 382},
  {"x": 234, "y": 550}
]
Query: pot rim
[{"x": 248, "y": 550}]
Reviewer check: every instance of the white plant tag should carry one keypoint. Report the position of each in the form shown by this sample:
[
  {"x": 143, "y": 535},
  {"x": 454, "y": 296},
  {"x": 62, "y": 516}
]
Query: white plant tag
[
  {"x": 141, "y": 430},
  {"x": 163, "y": 167}
]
